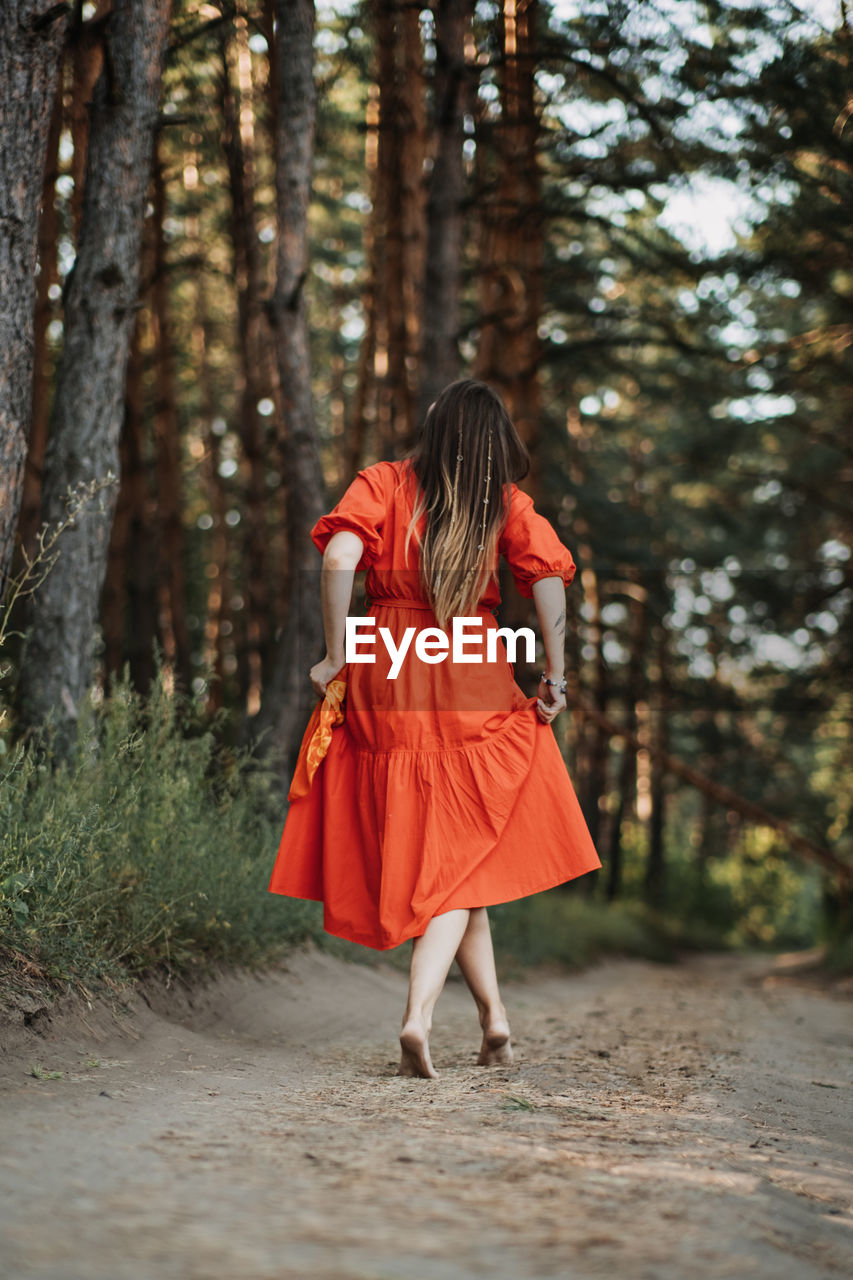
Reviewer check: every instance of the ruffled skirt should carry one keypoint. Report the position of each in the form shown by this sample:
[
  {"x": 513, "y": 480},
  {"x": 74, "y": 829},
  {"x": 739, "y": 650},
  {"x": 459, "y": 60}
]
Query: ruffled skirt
[{"x": 441, "y": 790}]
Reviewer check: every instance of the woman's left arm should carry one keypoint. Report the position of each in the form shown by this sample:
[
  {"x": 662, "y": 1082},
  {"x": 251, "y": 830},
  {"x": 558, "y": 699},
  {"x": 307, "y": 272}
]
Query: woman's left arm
[
  {"x": 343, "y": 553},
  {"x": 549, "y": 596}
]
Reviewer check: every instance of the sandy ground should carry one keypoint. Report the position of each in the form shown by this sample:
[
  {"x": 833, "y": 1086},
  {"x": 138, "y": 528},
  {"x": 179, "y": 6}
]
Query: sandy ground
[{"x": 692, "y": 1121}]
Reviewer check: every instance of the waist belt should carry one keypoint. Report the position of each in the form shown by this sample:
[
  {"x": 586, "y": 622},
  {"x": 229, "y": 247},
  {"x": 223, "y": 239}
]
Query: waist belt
[{"x": 396, "y": 602}]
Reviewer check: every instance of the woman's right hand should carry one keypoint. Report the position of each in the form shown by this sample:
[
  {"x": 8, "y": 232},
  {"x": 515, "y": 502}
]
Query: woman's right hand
[{"x": 322, "y": 672}]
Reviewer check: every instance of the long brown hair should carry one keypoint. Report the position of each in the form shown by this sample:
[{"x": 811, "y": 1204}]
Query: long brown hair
[{"x": 466, "y": 457}]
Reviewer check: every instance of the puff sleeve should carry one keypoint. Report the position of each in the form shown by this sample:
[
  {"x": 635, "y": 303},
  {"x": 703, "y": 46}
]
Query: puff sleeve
[
  {"x": 361, "y": 511},
  {"x": 531, "y": 547}
]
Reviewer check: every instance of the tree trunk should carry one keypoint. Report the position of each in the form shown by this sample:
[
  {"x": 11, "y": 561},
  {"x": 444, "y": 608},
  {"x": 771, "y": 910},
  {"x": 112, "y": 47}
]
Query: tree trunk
[
  {"x": 48, "y": 276},
  {"x": 655, "y": 865},
  {"x": 99, "y": 317},
  {"x": 634, "y": 690},
  {"x": 252, "y": 336},
  {"x": 364, "y": 401},
  {"x": 218, "y": 621},
  {"x": 287, "y": 700},
  {"x": 129, "y": 606},
  {"x": 512, "y": 245},
  {"x": 595, "y": 773},
  {"x": 167, "y": 449},
  {"x": 87, "y": 61},
  {"x": 84, "y": 59},
  {"x": 445, "y": 224},
  {"x": 398, "y": 215},
  {"x": 31, "y": 36}
]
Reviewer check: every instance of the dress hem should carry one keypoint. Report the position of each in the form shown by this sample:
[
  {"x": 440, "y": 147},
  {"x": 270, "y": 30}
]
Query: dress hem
[{"x": 419, "y": 926}]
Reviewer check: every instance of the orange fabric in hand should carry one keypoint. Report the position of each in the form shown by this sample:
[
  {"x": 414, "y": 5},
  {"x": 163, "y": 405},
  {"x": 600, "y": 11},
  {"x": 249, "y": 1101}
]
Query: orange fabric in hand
[{"x": 317, "y": 738}]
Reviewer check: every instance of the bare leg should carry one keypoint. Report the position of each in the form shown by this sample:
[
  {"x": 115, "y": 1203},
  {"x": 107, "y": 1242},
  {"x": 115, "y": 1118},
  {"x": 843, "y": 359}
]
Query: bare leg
[
  {"x": 432, "y": 956},
  {"x": 476, "y": 959}
]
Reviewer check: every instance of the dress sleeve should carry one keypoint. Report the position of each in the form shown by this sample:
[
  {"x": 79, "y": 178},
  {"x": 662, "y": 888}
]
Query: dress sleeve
[
  {"x": 531, "y": 547},
  {"x": 361, "y": 511}
]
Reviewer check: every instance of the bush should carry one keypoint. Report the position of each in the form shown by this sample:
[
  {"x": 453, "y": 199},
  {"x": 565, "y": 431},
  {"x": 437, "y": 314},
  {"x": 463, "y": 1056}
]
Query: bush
[
  {"x": 839, "y": 954},
  {"x": 148, "y": 847},
  {"x": 571, "y": 929},
  {"x": 754, "y": 893}
]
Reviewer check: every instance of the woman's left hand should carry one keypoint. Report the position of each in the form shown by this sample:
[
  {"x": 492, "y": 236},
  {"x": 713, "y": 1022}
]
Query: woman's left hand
[
  {"x": 550, "y": 702},
  {"x": 323, "y": 672}
]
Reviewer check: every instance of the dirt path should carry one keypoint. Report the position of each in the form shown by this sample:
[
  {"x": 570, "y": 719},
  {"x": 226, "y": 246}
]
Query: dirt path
[{"x": 661, "y": 1123}]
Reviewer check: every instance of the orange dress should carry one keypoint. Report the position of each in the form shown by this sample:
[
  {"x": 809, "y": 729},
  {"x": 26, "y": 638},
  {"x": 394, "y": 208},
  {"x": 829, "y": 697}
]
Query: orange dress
[{"x": 441, "y": 788}]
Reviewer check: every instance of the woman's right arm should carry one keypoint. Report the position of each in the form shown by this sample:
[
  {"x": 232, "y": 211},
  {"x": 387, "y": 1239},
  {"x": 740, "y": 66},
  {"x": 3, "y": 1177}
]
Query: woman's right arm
[{"x": 343, "y": 553}]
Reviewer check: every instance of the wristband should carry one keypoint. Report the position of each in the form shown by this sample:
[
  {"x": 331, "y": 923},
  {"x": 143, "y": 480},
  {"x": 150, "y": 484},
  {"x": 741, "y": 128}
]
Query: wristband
[{"x": 555, "y": 684}]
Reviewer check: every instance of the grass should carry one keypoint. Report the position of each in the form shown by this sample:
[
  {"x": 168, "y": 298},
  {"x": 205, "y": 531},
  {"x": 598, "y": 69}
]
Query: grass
[
  {"x": 149, "y": 849},
  {"x": 516, "y": 1103},
  {"x": 41, "y": 1073},
  {"x": 568, "y": 928}
]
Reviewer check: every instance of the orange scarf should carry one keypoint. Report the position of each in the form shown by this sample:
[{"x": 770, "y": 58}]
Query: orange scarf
[{"x": 317, "y": 738}]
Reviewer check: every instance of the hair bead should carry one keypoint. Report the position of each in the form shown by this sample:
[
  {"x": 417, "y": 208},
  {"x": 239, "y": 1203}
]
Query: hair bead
[
  {"x": 454, "y": 509},
  {"x": 488, "y": 484}
]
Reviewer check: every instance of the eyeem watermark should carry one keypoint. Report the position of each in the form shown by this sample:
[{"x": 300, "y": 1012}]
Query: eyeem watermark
[{"x": 432, "y": 645}]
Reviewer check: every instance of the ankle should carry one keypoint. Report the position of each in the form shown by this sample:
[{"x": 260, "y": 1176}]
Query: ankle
[
  {"x": 494, "y": 1012},
  {"x": 419, "y": 1017}
]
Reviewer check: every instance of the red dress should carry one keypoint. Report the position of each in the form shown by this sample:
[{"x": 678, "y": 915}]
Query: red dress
[{"x": 442, "y": 788}]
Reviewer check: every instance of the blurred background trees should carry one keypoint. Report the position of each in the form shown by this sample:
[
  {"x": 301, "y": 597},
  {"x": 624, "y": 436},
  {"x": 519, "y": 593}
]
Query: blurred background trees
[{"x": 633, "y": 219}]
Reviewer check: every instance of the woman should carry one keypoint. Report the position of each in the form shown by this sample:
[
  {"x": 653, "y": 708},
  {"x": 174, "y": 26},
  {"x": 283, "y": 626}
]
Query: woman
[{"x": 443, "y": 791}]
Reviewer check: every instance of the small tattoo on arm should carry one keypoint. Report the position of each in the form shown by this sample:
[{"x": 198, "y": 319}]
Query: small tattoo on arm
[{"x": 560, "y": 624}]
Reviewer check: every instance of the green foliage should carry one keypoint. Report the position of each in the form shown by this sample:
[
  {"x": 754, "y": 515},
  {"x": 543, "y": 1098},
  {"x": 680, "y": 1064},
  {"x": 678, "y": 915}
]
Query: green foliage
[
  {"x": 770, "y": 898},
  {"x": 514, "y": 1102},
  {"x": 572, "y": 930},
  {"x": 148, "y": 848},
  {"x": 839, "y": 955},
  {"x": 749, "y": 892},
  {"x": 40, "y": 1073}
]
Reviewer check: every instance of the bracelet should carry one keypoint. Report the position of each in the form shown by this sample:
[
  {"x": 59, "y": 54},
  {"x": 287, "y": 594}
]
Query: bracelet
[{"x": 555, "y": 684}]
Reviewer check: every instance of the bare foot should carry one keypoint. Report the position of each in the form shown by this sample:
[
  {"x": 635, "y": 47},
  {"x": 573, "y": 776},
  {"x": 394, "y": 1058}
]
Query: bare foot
[
  {"x": 414, "y": 1052},
  {"x": 496, "y": 1049}
]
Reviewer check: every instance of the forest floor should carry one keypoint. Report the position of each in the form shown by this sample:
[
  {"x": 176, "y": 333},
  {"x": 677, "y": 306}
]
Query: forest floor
[{"x": 659, "y": 1122}]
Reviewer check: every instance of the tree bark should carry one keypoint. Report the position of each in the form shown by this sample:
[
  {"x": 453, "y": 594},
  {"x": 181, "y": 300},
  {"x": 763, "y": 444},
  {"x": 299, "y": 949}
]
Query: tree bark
[
  {"x": 512, "y": 245},
  {"x": 439, "y": 362},
  {"x": 218, "y": 624},
  {"x": 167, "y": 447},
  {"x": 99, "y": 317},
  {"x": 364, "y": 401},
  {"x": 287, "y": 700},
  {"x": 129, "y": 605},
  {"x": 594, "y": 785},
  {"x": 31, "y": 38},
  {"x": 638, "y": 616},
  {"x": 48, "y": 275},
  {"x": 253, "y": 342},
  {"x": 87, "y": 61},
  {"x": 655, "y": 877},
  {"x": 399, "y": 212}
]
